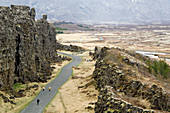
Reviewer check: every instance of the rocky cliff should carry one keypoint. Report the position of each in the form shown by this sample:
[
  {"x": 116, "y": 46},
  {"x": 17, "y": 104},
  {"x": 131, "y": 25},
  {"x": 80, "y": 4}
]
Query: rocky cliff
[
  {"x": 27, "y": 47},
  {"x": 125, "y": 84}
]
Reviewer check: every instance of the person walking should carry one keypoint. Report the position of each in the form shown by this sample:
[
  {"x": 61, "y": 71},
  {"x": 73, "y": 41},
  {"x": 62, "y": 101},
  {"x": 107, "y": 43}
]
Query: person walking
[
  {"x": 43, "y": 88},
  {"x": 38, "y": 101},
  {"x": 49, "y": 88}
]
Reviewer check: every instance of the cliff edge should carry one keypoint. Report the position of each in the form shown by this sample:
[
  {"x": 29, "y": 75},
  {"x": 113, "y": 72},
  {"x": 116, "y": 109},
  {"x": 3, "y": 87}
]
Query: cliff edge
[
  {"x": 27, "y": 46},
  {"x": 126, "y": 84}
]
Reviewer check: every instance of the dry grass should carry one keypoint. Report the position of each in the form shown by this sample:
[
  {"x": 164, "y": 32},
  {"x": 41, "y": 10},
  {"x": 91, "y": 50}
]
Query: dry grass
[
  {"x": 143, "y": 103},
  {"x": 76, "y": 37},
  {"x": 76, "y": 94}
]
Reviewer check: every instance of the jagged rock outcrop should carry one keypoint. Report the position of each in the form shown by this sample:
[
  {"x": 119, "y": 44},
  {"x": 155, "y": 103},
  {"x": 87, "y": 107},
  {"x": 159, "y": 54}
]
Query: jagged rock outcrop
[
  {"x": 120, "y": 75},
  {"x": 27, "y": 47},
  {"x": 107, "y": 102},
  {"x": 72, "y": 48}
]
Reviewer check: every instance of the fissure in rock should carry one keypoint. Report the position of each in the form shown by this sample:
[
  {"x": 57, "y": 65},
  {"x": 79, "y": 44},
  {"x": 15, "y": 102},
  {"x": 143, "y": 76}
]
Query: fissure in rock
[{"x": 17, "y": 55}]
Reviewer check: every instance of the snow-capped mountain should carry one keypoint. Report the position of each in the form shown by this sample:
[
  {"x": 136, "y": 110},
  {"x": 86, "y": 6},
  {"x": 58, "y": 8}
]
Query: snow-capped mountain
[{"x": 99, "y": 11}]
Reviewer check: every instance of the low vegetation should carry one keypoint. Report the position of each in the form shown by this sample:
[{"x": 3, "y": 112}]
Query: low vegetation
[
  {"x": 61, "y": 29},
  {"x": 87, "y": 28},
  {"x": 59, "y": 32},
  {"x": 19, "y": 86},
  {"x": 82, "y": 26},
  {"x": 159, "y": 68}
]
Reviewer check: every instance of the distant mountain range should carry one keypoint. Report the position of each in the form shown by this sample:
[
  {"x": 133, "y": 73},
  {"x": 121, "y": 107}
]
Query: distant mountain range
[{"x": 100, "y": 11}]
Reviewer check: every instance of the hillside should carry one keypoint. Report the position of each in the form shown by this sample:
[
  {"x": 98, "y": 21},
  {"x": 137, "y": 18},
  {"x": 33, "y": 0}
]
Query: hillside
[
  {"x": 126, "y": 84},
  {"x": 103, "y": 11}
]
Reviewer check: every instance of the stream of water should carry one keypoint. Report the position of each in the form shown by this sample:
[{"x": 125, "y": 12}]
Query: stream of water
[{"x": 152, "y": 54}]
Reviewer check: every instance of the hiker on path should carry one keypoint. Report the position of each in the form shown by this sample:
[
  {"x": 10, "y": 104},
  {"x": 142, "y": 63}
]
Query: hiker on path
[
  {"x": 38, "y": 101},
  {"x": 49, "y": 88},
  {"x": 43, "y": 88}
]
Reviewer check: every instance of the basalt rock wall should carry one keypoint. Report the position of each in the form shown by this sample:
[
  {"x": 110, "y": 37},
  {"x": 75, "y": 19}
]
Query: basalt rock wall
[
  {"x": 27, "y": 47},
  {"x": 121, "y": 79}
]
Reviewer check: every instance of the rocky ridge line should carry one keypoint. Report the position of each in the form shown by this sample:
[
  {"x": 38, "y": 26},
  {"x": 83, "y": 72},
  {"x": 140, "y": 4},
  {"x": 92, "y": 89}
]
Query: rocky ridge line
[
  {"x": 115, "y": 79},
  {"x": 72, "y": 48}
]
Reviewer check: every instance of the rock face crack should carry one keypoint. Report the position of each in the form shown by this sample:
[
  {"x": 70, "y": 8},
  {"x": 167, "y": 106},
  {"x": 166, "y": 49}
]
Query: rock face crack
[{"x": 17, "y": 56}]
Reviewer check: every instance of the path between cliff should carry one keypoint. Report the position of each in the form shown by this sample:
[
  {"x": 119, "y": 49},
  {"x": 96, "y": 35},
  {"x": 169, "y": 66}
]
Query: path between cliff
[{"x": 46, "y": 96}]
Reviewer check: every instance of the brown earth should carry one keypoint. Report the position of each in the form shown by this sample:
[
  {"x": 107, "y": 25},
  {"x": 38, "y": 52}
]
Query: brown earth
[
  {"x": 72, "y": 99},
  {"x": 78, "y": 95},
  {"x": 73, "y": 96}
]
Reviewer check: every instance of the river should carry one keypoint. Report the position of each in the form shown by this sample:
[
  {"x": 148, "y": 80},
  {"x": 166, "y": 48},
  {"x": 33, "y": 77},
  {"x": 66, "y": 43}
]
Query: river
[{"x": 153, "y": 54}]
